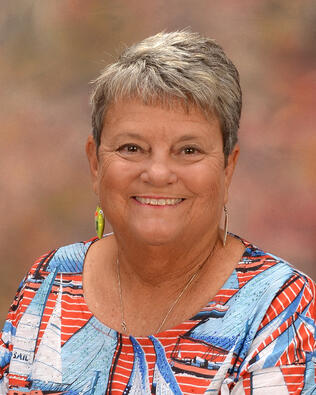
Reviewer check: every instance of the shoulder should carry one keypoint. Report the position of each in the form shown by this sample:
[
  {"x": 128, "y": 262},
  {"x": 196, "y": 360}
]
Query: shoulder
[
  {"x": 275, "y": 297},
  {"x": 284, "y": 341},
  {"x": 66, "y": 261},
  {"x": 293, "y": 297},
  {"x": 38, "y": 292},
  {"x": 266, "y": 268}
]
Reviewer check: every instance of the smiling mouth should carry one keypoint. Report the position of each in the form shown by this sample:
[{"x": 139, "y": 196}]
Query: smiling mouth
[{"x": 158, "y": 201}]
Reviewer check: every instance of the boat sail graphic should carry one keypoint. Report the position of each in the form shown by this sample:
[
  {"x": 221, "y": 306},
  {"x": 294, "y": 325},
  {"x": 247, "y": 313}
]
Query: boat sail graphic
[
  {"x": 27, "y": 330},
  {"x": 138, "y": 383},
  {"x": 164, "y": 382},
  {"x": 85, "y": 355},
  {"x": 160, "y": 385},
  {"x": 47, "y": 364}
]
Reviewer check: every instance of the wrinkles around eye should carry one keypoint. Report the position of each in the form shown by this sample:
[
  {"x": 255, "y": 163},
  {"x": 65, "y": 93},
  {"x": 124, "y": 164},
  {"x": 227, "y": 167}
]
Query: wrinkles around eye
[{"x": 105, "y": 159}]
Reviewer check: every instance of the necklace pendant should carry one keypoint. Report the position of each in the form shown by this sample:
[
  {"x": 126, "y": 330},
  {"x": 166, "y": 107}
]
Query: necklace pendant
[{"x": 124, "y": 326}]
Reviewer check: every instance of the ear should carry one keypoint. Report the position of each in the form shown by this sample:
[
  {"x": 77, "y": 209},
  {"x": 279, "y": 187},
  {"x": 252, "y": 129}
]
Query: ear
[
  {"x": 229, "y": 169},
  {"x": 91, "y": 151}
]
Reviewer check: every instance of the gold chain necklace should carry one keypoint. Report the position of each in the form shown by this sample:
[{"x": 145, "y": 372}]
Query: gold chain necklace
[{"x": 185, "y": 288}]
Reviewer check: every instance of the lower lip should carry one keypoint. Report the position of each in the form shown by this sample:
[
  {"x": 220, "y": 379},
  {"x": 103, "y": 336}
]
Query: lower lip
[{"x": 157, "y": 205}]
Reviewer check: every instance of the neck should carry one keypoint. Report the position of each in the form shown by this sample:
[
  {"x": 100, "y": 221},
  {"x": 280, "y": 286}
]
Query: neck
[{"x": 156, "y": 266}]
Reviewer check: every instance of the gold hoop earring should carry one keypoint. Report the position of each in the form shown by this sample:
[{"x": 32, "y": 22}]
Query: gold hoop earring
[
  {"x": 99, "y": 221},
  {"x": 225, "y": 226}
]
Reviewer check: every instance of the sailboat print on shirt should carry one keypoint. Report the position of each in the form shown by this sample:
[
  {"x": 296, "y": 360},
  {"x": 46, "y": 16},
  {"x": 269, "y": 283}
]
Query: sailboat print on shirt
[
  {"x": 27, "y": 331},
  {"x": 87, "y": 358},
  {"x": 208, "y": 358},
  {"x": 80, "y": 375},
  {"x": 164, "y": 382},
  {"x": 138, "y": 382},
  {"x": 47, "y": 364}
]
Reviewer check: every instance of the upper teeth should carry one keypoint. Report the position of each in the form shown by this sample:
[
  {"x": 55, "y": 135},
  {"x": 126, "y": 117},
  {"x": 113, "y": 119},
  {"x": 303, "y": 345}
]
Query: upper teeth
[{"x": 158, "y": 202}]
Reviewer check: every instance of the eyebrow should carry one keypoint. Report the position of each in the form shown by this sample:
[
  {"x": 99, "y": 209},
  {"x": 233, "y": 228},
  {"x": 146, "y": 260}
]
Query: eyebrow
[
  {"x": 129, "y": 134},
  {"x": 188, "y": 138},
  {"x": 139, "y": 136}
]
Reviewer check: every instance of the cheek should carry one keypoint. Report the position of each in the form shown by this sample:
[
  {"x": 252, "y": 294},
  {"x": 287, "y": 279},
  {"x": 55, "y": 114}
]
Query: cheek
[
  {"x": 110, "y": 195},
  {"x": 115, "y": 180},
  {"x": 211, "y": 198},
  {"x": 208, "y": 188},
  {"x": 207, "y": 181}
]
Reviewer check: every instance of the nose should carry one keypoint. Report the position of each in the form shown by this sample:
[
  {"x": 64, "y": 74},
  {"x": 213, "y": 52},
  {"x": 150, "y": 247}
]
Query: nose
[{"x": 158, "y": 172}]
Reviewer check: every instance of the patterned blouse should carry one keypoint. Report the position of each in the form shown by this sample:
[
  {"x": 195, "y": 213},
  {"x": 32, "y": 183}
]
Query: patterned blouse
[{"x": 256, "y": 336}]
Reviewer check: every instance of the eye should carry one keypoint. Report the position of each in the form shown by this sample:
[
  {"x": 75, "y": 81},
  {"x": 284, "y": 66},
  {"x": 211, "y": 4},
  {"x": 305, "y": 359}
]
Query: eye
[
  {"x": 190, "y": 150},
  {"x": 130, "y": 148}
]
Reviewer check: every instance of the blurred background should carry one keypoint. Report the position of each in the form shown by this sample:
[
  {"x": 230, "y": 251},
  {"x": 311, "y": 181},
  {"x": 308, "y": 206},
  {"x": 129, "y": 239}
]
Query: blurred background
[{"x": 49, "y": 53}]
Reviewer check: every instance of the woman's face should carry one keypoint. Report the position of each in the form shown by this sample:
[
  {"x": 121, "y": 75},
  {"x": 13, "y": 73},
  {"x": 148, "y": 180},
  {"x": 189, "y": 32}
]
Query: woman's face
[{"x": 159, "y": 174}]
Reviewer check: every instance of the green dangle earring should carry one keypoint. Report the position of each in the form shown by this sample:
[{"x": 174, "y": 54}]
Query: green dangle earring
[{"x": 99, "y": 221}]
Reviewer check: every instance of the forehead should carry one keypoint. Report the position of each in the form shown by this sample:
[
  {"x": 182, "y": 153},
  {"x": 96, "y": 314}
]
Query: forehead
[{"x": 152, "y": 119}]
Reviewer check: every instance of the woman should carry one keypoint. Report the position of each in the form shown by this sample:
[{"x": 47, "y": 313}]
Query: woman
[{"x": 168, "y": 303}]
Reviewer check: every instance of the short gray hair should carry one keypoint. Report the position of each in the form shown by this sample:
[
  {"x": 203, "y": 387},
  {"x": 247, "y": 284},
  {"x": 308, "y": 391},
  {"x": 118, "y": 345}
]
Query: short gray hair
[{"x": 178, "y": 65}]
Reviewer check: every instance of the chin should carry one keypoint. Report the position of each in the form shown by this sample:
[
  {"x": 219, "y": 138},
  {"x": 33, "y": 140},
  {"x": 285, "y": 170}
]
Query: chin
[{"x": 156, "y": 236}]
